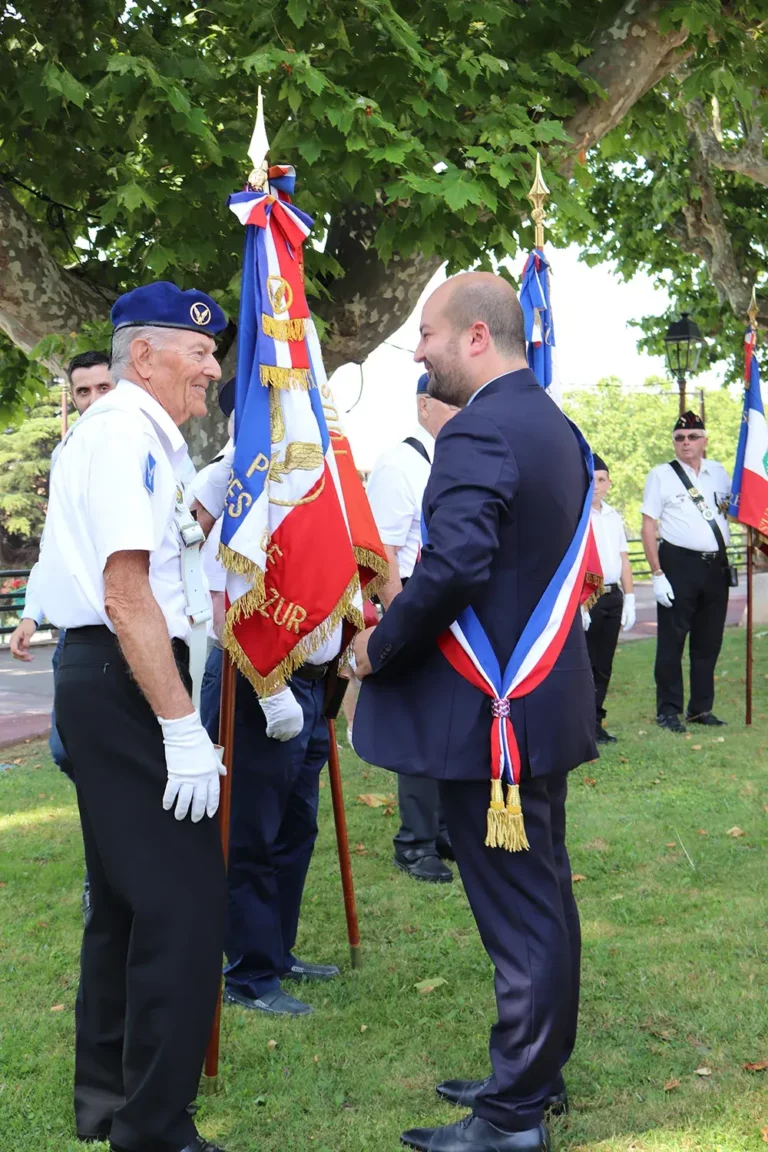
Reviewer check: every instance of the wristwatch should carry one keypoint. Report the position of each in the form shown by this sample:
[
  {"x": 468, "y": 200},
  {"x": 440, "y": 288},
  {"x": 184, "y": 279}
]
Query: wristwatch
[{"x": 658, "y": 572}]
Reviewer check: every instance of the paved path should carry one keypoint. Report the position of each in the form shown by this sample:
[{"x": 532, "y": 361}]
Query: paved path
[{"x": 26, "y": 690}]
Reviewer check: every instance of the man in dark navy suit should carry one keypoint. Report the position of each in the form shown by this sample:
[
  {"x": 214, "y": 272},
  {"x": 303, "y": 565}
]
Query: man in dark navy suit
[{"x": 502, "y": 506}]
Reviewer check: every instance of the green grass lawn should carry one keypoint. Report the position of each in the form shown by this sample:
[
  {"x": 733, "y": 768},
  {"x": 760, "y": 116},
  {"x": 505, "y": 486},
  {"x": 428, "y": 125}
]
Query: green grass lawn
[{"x": 674, "y": 993}]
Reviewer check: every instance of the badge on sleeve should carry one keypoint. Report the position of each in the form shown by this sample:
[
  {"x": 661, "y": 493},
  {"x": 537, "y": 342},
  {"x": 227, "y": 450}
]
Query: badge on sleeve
[{"x": 149, "y": 472}]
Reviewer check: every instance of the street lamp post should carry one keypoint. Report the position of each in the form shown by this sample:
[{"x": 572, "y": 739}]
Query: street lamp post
[{"x": 683, "y": 343}]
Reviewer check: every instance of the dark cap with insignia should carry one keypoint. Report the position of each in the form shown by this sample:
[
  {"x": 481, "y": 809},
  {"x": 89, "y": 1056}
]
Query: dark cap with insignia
[
  {"x": 689, "y": 421},
  {"x": 422, "y": 385},
  {"x": 163, "y": 305},
  {"x": 598, "y": 462}
]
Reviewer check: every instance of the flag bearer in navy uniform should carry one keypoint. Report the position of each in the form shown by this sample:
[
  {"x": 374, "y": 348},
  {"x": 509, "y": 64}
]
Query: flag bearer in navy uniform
[
  {"x": 688, "y": 500},
  {"x": 281, "y": 747},
  {"x": 499, "y": 525},
  {"x": 615, "y": 609},
  {"x": 120, "y": 571},
  {"x": 395, "y": 492}
]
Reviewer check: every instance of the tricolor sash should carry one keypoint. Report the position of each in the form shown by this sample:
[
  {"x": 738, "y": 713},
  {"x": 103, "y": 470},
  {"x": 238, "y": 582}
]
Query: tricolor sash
[{"x": 577, "y": 581}]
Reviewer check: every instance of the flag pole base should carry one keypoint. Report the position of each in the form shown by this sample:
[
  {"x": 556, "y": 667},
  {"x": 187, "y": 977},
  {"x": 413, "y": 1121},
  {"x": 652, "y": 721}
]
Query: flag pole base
[
  {"x": 356, "y": 955},
  {"x": 209, "y": 1085}
]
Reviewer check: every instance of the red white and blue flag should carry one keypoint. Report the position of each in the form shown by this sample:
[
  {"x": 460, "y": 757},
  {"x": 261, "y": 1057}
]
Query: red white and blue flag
[
  {"x": 298, "y": 537},
  {"x": 578, "y": 580},
  {"x": 749, "y": 491}
]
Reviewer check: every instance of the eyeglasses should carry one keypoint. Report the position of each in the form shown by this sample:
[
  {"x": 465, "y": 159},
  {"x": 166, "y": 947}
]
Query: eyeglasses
[{"x": 681, "y": 437}]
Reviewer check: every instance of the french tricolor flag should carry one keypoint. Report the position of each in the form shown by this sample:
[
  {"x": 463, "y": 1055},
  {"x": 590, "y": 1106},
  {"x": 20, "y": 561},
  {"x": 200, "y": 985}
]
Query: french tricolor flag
[{"x": 749, "y": 493}]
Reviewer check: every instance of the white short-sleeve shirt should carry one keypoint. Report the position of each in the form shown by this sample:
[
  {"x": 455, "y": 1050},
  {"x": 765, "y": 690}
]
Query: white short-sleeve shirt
[
  {"x": 395, "y": 492},
  {"x": 114, "y": 490},
  {"x": 611, "y": 541},
  {"x": 666, "y": 499}
]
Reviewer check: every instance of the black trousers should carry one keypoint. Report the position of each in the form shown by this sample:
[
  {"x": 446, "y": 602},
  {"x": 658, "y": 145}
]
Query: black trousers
[
  {"x": 421, "y": 820},
  {"x": 698, "y": 612},
  {"x": 152, "y": 948},
  {"x": 602, "y": 638},
  {"x": 528, "y": 921}
]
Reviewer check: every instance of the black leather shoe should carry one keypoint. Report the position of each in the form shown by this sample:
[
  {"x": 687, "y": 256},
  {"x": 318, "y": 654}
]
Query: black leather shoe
[
  {"x": 278, "y": 1003},
  {"x": 475, "y": 1135},
  {"x": 198, "y": 1145},
  {"x": 671, "y": 723},
  {"x": 423, "y": 866},
  {"x": 708, "y": 719},
  {"x": 303, "y": 970},
  {"x": 603, "y": 737},
  {"x": 462, "y": 1093},
  {"x": 445, "y": 848}
]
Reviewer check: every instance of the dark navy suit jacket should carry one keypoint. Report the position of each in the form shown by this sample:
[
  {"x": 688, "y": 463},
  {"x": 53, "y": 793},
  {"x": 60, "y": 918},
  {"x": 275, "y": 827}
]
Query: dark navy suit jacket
[{"x": 502, "y": 504}]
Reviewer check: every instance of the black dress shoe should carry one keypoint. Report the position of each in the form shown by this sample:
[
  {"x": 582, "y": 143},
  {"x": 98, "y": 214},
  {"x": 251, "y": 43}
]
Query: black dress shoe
[
  {"x": 475, "y": 1135},
  {"x": 199, "y": 1144},
  {"x": 445, "y": 848},
  {"x": 423, "y": 866},
  {"x": 462, "y": 1093},
  {"x": 603, "y": 737},
  {"x": 708, "y": 719},
  {"x": 671, "y": 723},
  {"x": 303, "y": 970},
  {"x": 278, "y": 1003}
]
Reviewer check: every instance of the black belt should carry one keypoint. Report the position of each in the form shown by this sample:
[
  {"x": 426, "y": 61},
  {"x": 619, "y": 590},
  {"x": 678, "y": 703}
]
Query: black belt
[
  {"x": 311, "y": 671},
  {"x": 707, "y": 557},
  {"x": 610, "y": 588},
  {"x": 100, "y": 635}
]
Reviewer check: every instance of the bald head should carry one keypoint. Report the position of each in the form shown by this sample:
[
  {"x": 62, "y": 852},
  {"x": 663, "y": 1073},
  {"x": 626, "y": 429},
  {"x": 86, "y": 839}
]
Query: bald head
[{"x": 472, "y": 330}]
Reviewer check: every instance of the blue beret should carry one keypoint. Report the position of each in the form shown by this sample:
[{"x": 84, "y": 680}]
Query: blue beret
[
  {"x": 163, "y": 305},
  {"x": 422, "y": 387}
]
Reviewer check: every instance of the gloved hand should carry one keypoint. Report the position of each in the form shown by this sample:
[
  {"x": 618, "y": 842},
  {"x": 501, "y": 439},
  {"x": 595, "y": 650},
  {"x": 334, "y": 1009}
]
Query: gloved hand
[
  {"x": 285, "y": 718},
  {"x": 628, "y": 614},
  {"x": 586, "y": 619},
  {"x": 662, "y": 590},
  {"x": 193, "y": 767}
]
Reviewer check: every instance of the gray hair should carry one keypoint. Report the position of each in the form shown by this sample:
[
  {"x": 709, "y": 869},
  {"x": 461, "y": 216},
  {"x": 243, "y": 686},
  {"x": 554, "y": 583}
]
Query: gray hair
[{"x": 122, "y": 340}]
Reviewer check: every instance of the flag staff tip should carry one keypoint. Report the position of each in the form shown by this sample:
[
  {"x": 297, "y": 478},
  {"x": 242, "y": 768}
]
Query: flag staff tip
[
  {"x": 752, "y": 310},
  {"x": 537, "y": 195},
  {"x": 258, "y": 149}
]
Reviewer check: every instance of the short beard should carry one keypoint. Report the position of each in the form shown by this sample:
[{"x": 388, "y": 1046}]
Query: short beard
[{"x": 449, "y": 383}]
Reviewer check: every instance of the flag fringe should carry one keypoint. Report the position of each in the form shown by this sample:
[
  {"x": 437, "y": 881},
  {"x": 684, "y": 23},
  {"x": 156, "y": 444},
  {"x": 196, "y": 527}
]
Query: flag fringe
[
  {"x": 307, "y": 646},
  {"x": 364, "y": 558},
  {"x": 286, "y": 378},
  {"x": 595, "y": 580},
  {"x": 240, "y": 565},
  {"x": 282, "y": 329}
]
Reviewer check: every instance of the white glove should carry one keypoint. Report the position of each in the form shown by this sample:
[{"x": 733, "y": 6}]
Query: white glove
[
  {"x": 210, "y": 485},
  {"x": 285, "y": 718},
  {"x": 628, "y": 613},
  {"x": 193, "y": 767},
  {"x": 586, "y": 619},
  {"x": 662, "y": 590}
]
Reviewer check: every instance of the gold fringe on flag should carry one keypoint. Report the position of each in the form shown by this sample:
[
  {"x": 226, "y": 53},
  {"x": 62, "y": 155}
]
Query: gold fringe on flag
[
  {"x": 595, "y": 581},
  {"x": 282, "y": 329},
  {"x": 496, "y": 831},
  {"x": 516, "y": 839},
  {"x": 286, "y": 377},
  {"x": 367, "y": 559}
]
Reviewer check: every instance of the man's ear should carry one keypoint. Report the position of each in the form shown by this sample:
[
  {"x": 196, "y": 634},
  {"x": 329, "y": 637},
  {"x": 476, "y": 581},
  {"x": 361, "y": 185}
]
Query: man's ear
[
  {"x": 480, "y": 338},
  {"x": 142, "y": 357}
]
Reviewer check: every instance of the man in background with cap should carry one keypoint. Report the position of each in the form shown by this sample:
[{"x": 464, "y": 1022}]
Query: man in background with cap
[
  {"x": 281, "y": 747},
  {"x": 120, "y": 571},
  {"x": 688, "y": 499},
  {"x": 395, "y": 492},
  {"x": 615, "y": 610}
]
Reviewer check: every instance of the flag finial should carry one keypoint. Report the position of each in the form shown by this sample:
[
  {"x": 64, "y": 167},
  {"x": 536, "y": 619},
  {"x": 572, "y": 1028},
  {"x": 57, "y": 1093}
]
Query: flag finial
[
  {"x": 537, "y": 195},
  {"x": 752, "y": 310},
  {"x": 258, "y": 149}
]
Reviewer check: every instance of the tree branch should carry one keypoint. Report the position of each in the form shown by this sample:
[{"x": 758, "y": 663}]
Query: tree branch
[
  {"x": 37, "y": 296},
  {"x": 749, "y": 160}
]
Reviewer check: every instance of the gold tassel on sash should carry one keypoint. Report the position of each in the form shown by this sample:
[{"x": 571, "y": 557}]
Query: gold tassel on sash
[
  {"x": 496, "y": 834},
  {"x": 516, "y": 839}
]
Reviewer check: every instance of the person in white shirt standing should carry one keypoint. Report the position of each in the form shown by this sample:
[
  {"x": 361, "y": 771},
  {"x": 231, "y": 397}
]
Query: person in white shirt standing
[
  {"x": 688, "y": 498},
  {"x": 119, "y": 569},
  {"x": 615, "y": 610},
  {"x": 395, "y": 492}
]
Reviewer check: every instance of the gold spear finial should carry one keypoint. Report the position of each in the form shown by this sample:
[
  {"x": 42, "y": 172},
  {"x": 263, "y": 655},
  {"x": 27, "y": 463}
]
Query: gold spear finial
[
  {"x": 537, "y": 195},
  {"x": 752, "y": 310},
  {"x": 258, "y": 150}
]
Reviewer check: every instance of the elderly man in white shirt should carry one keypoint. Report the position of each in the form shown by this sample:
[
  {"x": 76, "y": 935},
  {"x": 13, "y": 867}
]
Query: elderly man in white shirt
[
  {"x": 615, "y": 610},
  {"x": 688, "y": 499},
  {"x": 395, "y": 491}
]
